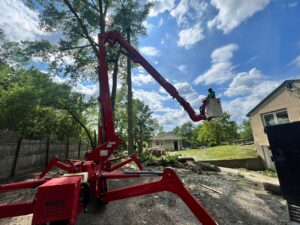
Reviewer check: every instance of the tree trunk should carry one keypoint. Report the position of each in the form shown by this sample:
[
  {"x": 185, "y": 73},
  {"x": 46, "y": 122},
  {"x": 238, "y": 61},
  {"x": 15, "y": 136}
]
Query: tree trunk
[
  {"x": 102, "y": 30},
  {"x": 129, "y": 107},
  {"x": 102, "y": 17},
  {"x": 114, "y": 83},
  {"x": 140, "y": 149}
]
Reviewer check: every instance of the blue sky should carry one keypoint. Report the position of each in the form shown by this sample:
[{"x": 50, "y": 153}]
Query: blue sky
[{"x": 243, "y": 49}]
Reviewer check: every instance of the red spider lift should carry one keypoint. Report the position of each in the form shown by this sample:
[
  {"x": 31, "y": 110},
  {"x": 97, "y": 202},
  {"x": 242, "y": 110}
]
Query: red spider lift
[{"x": 61, "y": 199}]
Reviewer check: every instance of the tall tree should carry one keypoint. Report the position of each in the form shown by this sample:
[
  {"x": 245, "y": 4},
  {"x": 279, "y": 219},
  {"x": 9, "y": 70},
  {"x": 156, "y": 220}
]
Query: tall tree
[
  {"x": 246, "y": 130},
  {"x": 218, "y": 130},
  {"x": 186, "y": 132},
  {"x": 80, "y": 21},
  {"x": 129, "y": 17},
  {"x": 32, "y": 103},
  {"x": 144, "y": 126}
]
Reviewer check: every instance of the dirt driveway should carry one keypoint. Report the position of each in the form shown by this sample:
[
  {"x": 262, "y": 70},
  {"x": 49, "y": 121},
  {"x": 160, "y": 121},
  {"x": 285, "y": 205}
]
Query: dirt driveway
[{"x": 242, "y": 201}]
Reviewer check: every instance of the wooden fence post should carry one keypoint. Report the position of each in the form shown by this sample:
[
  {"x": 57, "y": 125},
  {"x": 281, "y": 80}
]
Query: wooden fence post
[
  {"x": 16, "y": 156},
  {"x": 79, "y": 146}
]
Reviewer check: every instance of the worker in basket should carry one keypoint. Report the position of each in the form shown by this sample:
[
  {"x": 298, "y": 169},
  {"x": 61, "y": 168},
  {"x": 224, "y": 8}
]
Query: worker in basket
[{"x": 205, "y": 101}]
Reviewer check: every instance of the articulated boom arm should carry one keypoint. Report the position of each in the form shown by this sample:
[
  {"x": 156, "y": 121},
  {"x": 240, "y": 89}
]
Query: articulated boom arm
[{"x": 114, "y": 36}]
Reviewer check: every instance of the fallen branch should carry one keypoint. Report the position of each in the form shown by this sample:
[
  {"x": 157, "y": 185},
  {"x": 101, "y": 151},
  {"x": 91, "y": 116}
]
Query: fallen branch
[
  {"x": 212, "y": 189},
  {"x": 208, "y": 166}
]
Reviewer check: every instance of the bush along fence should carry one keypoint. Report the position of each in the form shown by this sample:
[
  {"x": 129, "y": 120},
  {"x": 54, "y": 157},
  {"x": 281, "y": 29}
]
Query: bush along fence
[{"x": 20, "y": 154}]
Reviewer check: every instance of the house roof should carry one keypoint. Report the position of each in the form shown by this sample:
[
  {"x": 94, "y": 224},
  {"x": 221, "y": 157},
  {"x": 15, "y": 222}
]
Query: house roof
[
  {"x": 284, "y": 84},
  {"x": 166, "y": 136}
]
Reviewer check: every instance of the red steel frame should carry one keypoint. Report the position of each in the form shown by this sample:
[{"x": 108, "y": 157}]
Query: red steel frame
[{"x": 98, "y": 165}]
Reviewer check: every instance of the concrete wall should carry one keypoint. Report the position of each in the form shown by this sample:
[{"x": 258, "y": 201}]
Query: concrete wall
[
  {"x": 19, "y": 155},
  {"x": 250, "y": 164},
  {"x": 265, "y": 153}
]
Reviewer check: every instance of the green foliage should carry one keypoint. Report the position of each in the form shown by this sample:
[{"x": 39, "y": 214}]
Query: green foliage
[
  {"x": 220, "y": 152},
  {"x": 30, "y": 102},
  {"x": 219, "y": 130},
  {"x": 12, "y": 52},
  {"x": 168, "y": 159},
  {"x": 80, "y": 22},
  {"x": 189, "y": 133},
  {"x": 269, "y": 173},
  {"x": 144, "y": 125},
  {"x": 129, "y": 15},
  {"x": 164, "y": 160},
  {"x": 148, "y": 158},
  {"x": 246, "y": 130}
]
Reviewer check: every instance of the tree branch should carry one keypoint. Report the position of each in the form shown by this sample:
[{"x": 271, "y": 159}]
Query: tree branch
[
  {"x": 83, "y": 28},
  {"x": 74, "y": 116},
  {"x": 92, "y": 6},
  {"x": 75, "y": 47}
]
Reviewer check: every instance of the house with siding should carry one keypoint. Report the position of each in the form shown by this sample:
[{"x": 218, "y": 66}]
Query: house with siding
[
  {"x": 168, "y": 141},
  {"x": 281, "y": 106}
]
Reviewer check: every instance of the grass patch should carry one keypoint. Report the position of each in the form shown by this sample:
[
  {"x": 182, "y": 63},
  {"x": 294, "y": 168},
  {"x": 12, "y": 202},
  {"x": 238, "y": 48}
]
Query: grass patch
[
  {"x": 269, "y": 173},
  {"x": 220, "y": 152}
]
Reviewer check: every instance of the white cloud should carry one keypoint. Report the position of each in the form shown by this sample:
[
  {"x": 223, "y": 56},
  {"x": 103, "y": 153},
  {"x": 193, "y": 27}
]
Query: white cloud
[
  {"x": 172, "y": 118},
  {"x": 149, "y": 26},
  {"x": 232, "y": 13},
  {"x": 160, "y": 22},
  {"x": 243, "y": 83},
  {"x": 189, "y": 12},
  {"x": 149, "y": 51},
  {"x": 179, "y": 116},
  {"x": 18, "y": 21},
  {"x": 239, "y": 107},
  {"x": 59, "y": 80},
  {"x": 189, "y": 94},
  {"x": 190, "y": 36},
  {"x": 296, "y": 61},
  {"x": 21, "y": 23},
  {"x": 160, "y": 6},
  {"x": 221, "y": 68},
  {"x": 88, "y": 90},
  {"x": 180, "y": 11},
  {"x": 153, "y": 99},
  {"x": 182, "y": 68},
  {"x": 140, "y": 79},
  {"x": 172, "y": 115}
]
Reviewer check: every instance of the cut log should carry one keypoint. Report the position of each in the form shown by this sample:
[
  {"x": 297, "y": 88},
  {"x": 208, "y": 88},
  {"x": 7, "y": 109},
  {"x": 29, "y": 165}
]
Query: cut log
[
  {"x": 208, "y": 166},
  {"x": 179, "y": 165},
  {"x": 192, "y": 166},
  {"x": 272, "y": 188},
  {"x": 185, "y": 159},
  {"x": 155, "y": 163}
]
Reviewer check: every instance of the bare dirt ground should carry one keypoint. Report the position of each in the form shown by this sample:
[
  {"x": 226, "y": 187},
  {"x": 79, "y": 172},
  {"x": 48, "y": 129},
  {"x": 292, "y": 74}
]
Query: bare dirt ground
[{"x": 243, "y": 201}]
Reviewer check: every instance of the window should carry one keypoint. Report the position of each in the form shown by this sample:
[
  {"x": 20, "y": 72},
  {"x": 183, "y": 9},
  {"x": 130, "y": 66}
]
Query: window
[
  {"x": 157, "y": 143},
  {"x": 274, "y": 118}
]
